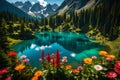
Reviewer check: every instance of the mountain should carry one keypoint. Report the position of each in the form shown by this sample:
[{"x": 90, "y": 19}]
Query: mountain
[
  {"x": 48, "y": 10},
  {"x": 18, "y": 3},
  {"x": 6, "y": 6},
  {"x": 95, "y": 17},
  {"x": 26, "y": 6},
  {"x": 54, "y": 6},
  {"x": 38, "y": 9}
]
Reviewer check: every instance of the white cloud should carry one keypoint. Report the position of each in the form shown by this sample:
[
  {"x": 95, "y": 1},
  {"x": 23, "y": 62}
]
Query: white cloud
[{"x": 43, "y": 2}]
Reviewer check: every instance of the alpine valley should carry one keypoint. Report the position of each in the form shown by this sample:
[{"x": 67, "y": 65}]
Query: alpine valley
[{"x": 74, "y": 40}]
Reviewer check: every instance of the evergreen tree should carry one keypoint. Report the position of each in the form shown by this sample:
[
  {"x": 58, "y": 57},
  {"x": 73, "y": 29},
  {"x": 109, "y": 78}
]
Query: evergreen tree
[{"x": 4, "y": 44}]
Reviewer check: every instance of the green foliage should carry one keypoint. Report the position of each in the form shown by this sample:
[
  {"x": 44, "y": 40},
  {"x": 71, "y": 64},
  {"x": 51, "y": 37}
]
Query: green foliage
[{"x": 4, "y": 60}]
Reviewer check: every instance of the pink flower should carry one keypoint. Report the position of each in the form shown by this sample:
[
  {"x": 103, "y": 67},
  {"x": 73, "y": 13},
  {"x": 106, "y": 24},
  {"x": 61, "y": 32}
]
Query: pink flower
[
  {"x": 3, "y": 71},
  {"x": 79, "y": 68},
  {"x": 111, "y": 74},
  {"x": 8, "y": 78},
  {"x": 94, "y": 57},
  {"x": 26, "y": 60},
  {"x": 11, "y": 54},
  {"x": 64, "y": 59},
  {"x": 109, "y": 59}
]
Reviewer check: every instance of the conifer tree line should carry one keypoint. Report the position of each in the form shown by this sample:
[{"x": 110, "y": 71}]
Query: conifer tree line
[
  {"x": 103, "y": 17},
  {"x": 15, "y": 24}
]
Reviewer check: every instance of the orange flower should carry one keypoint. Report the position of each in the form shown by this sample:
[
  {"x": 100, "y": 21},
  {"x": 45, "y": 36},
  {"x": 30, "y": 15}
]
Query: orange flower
[
  {"x": 110, "y": 56},
  {"x": 34, "y": 78},
  {"x": 88, "y": 60},
  {"x": 103, "y": 53},
  {"x": 68, "y": 67},
  {"x": 20, "y": 67},
  {"x": 75, "y": 71},
  {"x": 38, "y": 73}
]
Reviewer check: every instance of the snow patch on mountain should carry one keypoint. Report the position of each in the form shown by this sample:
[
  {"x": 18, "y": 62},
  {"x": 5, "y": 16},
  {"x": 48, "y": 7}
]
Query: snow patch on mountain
[{"x": 43, "y": 3}]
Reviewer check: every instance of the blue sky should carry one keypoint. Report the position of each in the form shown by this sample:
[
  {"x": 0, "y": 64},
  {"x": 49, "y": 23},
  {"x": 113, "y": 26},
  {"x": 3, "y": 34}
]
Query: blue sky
[{"x": 49, "y": 1}]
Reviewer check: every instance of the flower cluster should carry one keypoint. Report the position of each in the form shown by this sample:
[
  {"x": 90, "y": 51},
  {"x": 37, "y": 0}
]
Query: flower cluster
[{"x": 54, "y": 67}]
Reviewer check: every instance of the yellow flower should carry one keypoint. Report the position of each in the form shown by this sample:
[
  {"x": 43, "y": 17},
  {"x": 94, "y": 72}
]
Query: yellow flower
[
  {"x": 68, "y": 67},
  {"x": 103, "y": 53},
  {"x": 88, "y": 60},
  {"x": 75, "y": 71},
  {"x": 34, "y": 78},
  {"x": 20, "y": 67},
  {"x": 38, "y": 73},
  {"x": 110, "y": 56}
]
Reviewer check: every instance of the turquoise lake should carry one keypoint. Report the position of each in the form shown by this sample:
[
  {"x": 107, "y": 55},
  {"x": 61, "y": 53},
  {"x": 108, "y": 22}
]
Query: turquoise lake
[{"x": 73, "y": 45}]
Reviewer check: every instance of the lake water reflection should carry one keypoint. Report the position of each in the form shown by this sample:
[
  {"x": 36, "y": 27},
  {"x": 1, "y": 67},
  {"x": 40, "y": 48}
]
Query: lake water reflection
[{"x": 73, "y": 45}]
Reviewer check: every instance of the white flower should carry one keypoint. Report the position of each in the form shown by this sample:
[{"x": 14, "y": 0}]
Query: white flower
[
  {"x": 98, "y": 67},
  {"x": 23, "y": 56}
]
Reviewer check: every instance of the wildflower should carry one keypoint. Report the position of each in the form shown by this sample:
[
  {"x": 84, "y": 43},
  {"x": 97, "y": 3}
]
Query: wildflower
[
  {"x": 64, "y": 59},
  {"x": 48, "y": 58},
  {"x": 42, "y": 56},
  {"x": 20, "y": 67},
  {"x": 23, "y": 56},
  {"x": 11, "y": 54},
  {"x": 94, "y": 57},
  {"x": 117, "y": 67},
  {"x": 8, "y": 78},
  {"x": 103, "y": 53},
  {"x": 88, "y": 60},
  {"x": 34, "y": 78},
  {"x": 98, "y": 67},
  {"x": 68, "y": 67},
  {"x": 54, "y": 62},
  {"x": 79, "y": 68},
  {"x": 57, "y": 57},
  {"x": 38, "y": 73},
  {"x": 26, "y": 60},
  {"x": 110, "y": 56},
  {"x": 109, "y": 59},
  {"x": 111, "y": 74},
  {"x": 3, "y": 71},
  {"x": 75, "y": 71}
]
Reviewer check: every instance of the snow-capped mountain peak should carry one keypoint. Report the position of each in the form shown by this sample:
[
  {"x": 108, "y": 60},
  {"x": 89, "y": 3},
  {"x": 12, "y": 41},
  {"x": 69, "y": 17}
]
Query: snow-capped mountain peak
[
  {"x": 37, "y": 9},
  {"x": 43, "y": 3}
]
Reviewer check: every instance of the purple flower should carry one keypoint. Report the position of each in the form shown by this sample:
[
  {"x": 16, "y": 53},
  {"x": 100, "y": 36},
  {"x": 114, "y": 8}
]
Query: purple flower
[{"x": 79, "y": 68}]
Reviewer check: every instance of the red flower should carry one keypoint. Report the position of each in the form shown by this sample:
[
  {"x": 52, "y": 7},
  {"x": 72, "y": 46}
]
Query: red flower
[
  {"x": 8, "y": 78},
  {"x": 3, "y": 71},
  {"x": 111, "y": 74},
  {"x": 57, "y": 57},
  {"x": 117, "y": 67},
  {"x": 11, "y": 54},
  {"x": 48, "y": 58},
  {"x": 42, "y": 56},
  {"x": 54, "y": 61}
]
